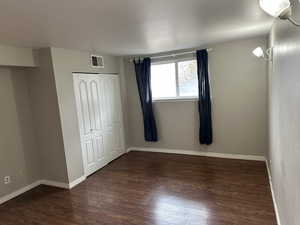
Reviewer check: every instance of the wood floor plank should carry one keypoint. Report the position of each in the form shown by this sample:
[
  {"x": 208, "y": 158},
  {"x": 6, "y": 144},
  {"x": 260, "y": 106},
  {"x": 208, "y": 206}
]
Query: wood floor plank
[{"x": 143, "y": 188}]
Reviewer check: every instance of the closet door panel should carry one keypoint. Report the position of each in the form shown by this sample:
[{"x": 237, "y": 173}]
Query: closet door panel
[
  {"x": 88, "y": 145},
  {"x": 84, "y": 107},
  {"x": 118, "y": 147},
  {"x": 97, "y": 124},
  {"x": 81, "y": 87},
  {"x": 89, "y": 101},
  {"x": 96, "y": 101},
  {"x": 114, "y": 124},
  {"x": 118, "y": 125},
  {"x": 109, "y": 145},
  {"x": 109, "y": 109},
  {"x": 117, "y": 101},
  {"x": 99, "y": 148}
]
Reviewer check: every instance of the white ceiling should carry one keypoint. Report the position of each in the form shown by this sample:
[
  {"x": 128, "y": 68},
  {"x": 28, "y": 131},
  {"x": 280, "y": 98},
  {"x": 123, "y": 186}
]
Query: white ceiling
[{"x": 126, "y": 27}]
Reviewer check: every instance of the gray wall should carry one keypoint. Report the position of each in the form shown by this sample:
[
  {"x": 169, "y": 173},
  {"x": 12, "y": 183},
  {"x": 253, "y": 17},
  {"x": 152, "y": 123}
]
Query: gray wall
[
  {"x": 39, "y": 136},
  {"x": 45, "y": 98},
  {"x": 19, "y": 155},
  {"x": 239, "y": 92},
  {"x": 44, "y": 102},
  {"x": 284, "y": 94},
  {"x": 14, "y": 56},
  {"x": 65, "y": 62}
]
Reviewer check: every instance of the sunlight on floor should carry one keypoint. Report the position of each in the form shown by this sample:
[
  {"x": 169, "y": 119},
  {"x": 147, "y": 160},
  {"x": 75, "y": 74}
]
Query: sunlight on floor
[{"x": 176, "y": 210}]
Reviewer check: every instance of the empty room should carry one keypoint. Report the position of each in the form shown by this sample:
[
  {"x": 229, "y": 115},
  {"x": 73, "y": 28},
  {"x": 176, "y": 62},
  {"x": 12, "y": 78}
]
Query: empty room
[{"x": 148, "y": 112}]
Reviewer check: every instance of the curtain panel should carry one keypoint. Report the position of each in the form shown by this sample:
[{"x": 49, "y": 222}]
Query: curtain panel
[
  {"x": 143, "y": 78},
  {"x": 204, "y": 102}
]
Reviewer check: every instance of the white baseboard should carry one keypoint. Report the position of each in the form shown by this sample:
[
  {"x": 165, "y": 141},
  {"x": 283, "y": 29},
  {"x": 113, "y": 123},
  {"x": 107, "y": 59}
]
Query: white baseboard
[
  {"x": 76, "y": 182},
  {"x": 41, "y": 182},
  {"x": 273, "y": 194},
  {"x": 199, "y": 153},
  {"x": 55, "y": 184},
  {"x": 19, "y": 192}
]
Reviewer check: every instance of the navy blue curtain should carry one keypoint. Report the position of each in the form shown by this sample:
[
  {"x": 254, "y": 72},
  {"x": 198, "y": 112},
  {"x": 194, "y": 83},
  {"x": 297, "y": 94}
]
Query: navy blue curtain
[
  {"x": 204, "y": 102},
  {"x": 143, "y": 78}
]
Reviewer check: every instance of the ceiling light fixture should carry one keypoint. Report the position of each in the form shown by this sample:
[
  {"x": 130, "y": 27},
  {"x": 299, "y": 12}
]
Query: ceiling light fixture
[
  {"x": 260, "y": 53},
  {"x": 278, "y": 8}
]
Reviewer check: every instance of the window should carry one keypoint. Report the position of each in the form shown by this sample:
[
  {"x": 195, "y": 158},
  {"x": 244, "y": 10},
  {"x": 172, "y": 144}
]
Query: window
[{"x": 174, "y": 80}]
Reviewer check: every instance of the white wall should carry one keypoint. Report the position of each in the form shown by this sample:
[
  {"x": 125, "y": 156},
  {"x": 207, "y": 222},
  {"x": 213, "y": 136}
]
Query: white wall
[
  {"x": 239, "y": 97},
  {"x": 284, "y": 113}
]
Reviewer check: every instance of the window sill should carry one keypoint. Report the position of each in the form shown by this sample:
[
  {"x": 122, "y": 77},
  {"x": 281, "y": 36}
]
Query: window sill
[{"x": 188, "y": 99}]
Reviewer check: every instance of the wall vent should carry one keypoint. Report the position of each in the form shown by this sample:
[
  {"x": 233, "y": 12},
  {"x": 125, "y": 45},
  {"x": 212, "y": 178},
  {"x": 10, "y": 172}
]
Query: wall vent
[{"x": 97, "y": 61}]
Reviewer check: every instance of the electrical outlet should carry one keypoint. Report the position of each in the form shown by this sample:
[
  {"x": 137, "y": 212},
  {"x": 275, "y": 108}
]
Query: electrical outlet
[{"x": 7, "y": 180}]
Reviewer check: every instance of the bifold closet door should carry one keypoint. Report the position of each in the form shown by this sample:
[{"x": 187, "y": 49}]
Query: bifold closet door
[
  {"x": 98, "y": 106},
  {"x": 90, "y": 101},
  {"x": 114, "y": 120}
]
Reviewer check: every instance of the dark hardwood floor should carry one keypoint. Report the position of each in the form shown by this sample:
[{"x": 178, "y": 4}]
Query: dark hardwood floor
[{"x": 155, "y": 189}]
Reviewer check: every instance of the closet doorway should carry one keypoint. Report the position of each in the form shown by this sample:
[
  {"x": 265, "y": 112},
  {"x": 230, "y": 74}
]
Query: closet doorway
[{"x": 99, "y": 110}]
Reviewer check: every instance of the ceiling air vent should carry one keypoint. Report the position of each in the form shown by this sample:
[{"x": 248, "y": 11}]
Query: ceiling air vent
[{"x": 97, "y": 61}]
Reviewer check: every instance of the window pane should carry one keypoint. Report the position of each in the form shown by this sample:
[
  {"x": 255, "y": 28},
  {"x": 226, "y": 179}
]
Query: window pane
[
  {"x": 163, "y": 80},
  {"x": 187, "y": 78}
]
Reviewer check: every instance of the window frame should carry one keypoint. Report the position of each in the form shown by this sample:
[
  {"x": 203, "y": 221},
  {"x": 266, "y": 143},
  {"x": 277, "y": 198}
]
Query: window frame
[{"x": 177, "y": 97}]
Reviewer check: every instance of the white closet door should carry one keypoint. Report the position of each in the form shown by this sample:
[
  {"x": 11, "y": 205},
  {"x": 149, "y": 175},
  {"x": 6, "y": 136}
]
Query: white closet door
[
  {"x": 90, "y": 102},
  {"x": 100, "y": 119},
  {"x": 97, "y": 101},
  {"x": 114, "y": 121}
]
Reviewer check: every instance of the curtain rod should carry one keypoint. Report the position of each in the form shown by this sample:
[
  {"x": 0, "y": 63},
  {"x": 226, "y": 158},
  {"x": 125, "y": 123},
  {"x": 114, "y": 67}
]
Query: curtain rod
[{"x": 169, "y": 55}]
